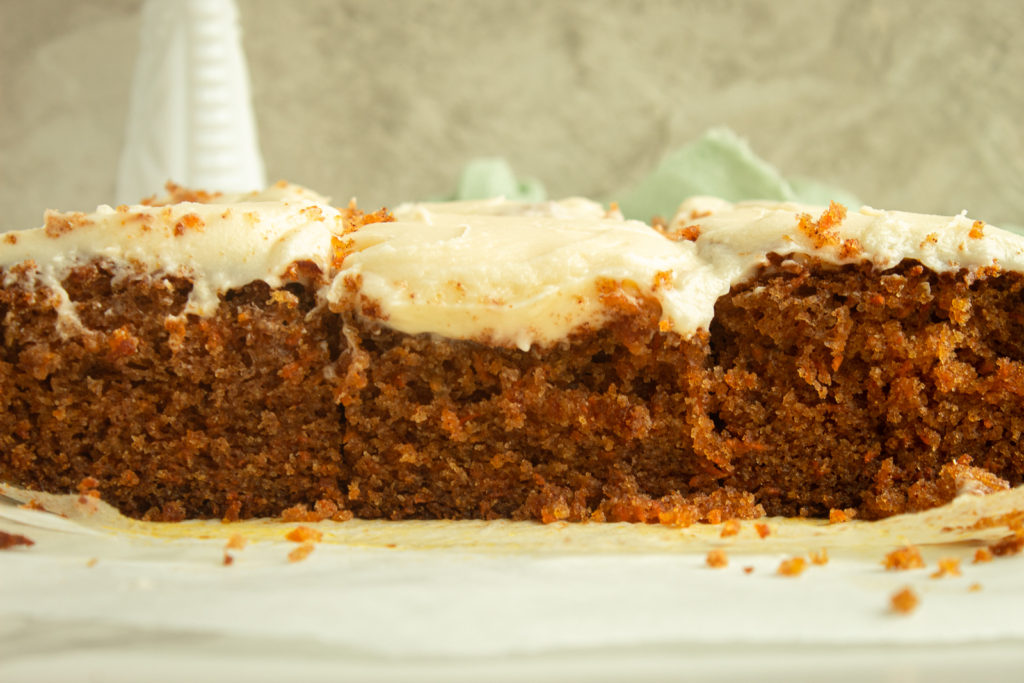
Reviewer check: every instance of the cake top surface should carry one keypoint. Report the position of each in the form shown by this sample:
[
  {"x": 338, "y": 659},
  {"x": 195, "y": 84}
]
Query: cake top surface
[
  {"x": 522, "y": 274},
  {"x": 512, "y": 273},
  {"x": 219, "y": 242}
]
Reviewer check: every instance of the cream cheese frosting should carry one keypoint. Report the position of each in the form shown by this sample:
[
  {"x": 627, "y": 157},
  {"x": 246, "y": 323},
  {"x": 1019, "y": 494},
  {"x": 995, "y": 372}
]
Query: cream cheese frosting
[
  {"x": 525, "y": 274},
  {"x": 514, "y": 273},
  {"x": 219, "y": 245}
]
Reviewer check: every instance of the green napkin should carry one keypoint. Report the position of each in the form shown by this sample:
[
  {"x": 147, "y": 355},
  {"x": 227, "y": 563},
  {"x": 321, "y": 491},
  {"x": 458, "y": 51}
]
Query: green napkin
[
  {"x": 720, "y": 163},
  {"x": 493, "y": 177}
]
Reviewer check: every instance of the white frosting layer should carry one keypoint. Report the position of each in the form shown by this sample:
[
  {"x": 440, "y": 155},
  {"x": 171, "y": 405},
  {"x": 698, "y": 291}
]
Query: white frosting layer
[
  {"x": 525, "y": 274},
  {"x": 514, "y": 273},
  {"x": 220, "y": 245}
]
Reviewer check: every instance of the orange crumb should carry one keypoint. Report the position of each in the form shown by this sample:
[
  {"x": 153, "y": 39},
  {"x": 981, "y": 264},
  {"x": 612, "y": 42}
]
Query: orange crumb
[
  {"x": 794, "y": 566},
  {"x": 87, "y": 484},
  {"x": 731, "y": 527},
  {"x": 977, "y": 230},
  {"x": 717, "y": 559},
  {"x": 762, "y": 530},
  {"x": 92, "y": 562},
  {"x": 820, "y": 557},
  {"x": 904, "y": 601},
  {"x": 982, "y": 555},
  {"x": 33, "y": 504},
  {"x": 189, "y": 221},
  {"x": 822, "y": 232},
  {"x": 850, "y": 248},
  {"x": 974, "y": 587},
  {"x": 748, "y": 570},
  {"x": 690, "y": 233},
  {"x": 663, "y": 279},
  {"x": 228, "y": 559},
  {"x": 304, "y": 534},
  {"x": 948, "y": 566},
  {"x": 236, "y": 542},
  {"x": 300, "y": 553},
  {"x": 836, "y": 516},
  {"x": 1008, "y": 545},
  {"x": 10, "y": 540},
  {"x": 907, "y": 557}
]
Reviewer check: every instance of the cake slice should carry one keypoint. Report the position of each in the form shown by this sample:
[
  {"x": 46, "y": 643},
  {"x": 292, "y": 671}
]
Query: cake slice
[{"x": 250, "y": 356}]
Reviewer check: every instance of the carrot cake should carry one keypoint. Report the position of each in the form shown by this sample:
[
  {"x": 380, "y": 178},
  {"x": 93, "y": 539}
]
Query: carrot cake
[{"x": 232, "y": 357}]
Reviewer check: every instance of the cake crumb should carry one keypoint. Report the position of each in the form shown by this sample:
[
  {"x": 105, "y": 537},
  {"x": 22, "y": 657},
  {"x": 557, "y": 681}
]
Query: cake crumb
[
  {"x": 731, "y": 527},
  {"x": 717, "y": 559},
  {"x": 300, "y": 553},
  {"x": 982, "y": 555},
  {"x": 820, "y": 557},
  {"x": 974, "y": 587},
  {"x": 304, "y": 534},
  {"x": 948, "y": 566},
  {"x": 907, "y": 557},
  {"x": 763, "y": 530},
  {"x": 10, "y": 540},
  {"x": 794, "y": 566},
  {"x": 749, "y": 569},
  {"x": 33, "y": 504},
  {"x": 236, "y": 542},
  {"x": 837, "y": 516},
  {"x": 690, "y": 233},
  {"x": 92, "y": 562},
  {"x": 977, "y": 230},
  {"x": 904, "y": 601},
  {"x": 229, "y": 559},
  {"x": 1008, "y": 545}
]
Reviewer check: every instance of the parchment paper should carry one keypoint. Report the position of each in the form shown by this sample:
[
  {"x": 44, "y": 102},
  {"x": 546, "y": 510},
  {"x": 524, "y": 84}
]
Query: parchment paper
[{"x": 454, "y": 589}]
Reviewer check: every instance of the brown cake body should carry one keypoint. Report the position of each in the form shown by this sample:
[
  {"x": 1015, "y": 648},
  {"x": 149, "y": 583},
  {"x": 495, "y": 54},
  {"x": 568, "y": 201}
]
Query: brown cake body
[{"x": 817, "y": 387}]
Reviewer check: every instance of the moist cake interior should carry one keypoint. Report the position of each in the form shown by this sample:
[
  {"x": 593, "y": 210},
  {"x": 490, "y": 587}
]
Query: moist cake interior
[{"x": 817, "y": 386}]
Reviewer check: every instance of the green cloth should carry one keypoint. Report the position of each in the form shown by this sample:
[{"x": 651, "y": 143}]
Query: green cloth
[
  {"x": 494, "y": 177},
  {"x": 720, "y": 164}
]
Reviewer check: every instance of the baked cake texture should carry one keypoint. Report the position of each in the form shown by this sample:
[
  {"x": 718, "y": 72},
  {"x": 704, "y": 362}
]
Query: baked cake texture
[{"x": 232, "y": 357}]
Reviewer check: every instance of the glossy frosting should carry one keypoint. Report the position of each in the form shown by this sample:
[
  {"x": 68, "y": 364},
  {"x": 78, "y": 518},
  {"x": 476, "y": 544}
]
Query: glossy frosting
[
  {"x": 511, "y": 273},
  {"x": 221, "y": 245},
  {"x": 522, "y": 274}
]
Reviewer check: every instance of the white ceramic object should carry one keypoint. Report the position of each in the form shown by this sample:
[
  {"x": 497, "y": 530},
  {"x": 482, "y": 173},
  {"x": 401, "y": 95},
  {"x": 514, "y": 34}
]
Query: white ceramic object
[{"x": 190, "y": 117}]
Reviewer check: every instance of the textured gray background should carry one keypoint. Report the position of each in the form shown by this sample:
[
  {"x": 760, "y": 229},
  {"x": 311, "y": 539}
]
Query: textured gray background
[{"x": 916, "y": 105}]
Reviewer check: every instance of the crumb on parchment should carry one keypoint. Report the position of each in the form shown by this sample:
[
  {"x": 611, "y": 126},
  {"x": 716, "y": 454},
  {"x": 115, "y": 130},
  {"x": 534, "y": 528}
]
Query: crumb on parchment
[
  {"x": 717, "y": 559},
  {"x": 904, "y": 601},
  {"x": 8, "y": 541},
  {"x": 907, "y": 557},
  {"x": 793, "y": 566},
  {"x": 300, "y": 553}
]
